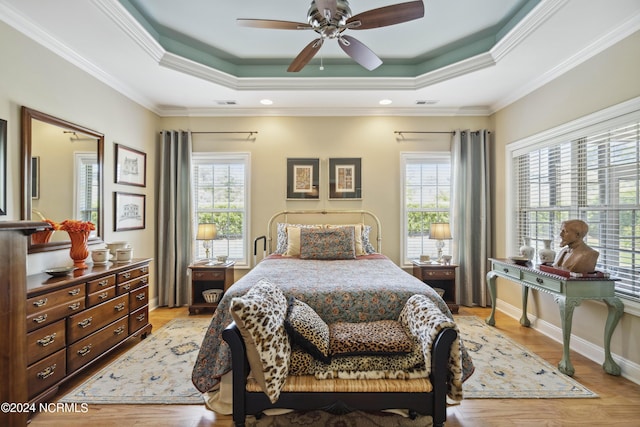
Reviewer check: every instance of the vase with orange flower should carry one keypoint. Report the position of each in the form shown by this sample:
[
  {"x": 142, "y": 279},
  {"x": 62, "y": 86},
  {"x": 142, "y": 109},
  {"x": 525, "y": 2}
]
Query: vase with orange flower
[
  {"x": 79, "y": 234},
  {"x": 43, "y": 236}
]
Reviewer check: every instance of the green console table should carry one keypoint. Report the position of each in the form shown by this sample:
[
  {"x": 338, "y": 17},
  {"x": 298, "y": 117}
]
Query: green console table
[{"x": 568, "y": 293}]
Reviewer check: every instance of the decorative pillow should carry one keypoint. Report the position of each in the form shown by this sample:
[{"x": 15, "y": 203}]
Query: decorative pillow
[
  {"x": 282, "y": 243},
  {"x": 366, "y": 243},
  {"x": 331, "y": 243},
  {"x": 260, "y": 315},
  {"x": 307, "y": 329},
  {"x": 386, "y": 337},
  {"x": 357, "y": 234}
]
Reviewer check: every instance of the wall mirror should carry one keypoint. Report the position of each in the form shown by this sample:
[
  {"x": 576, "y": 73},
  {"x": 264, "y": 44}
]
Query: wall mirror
[{"x": 62, "y": 176}]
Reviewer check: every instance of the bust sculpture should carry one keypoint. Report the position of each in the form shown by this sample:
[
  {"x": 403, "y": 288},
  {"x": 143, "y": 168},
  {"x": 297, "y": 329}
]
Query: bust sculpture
[{"x": 575, "y": 255}]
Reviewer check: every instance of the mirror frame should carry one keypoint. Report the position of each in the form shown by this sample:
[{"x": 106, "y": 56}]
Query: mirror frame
[
  {"x": 3, "y": 167},
  {"x": 27, "y": 115}
]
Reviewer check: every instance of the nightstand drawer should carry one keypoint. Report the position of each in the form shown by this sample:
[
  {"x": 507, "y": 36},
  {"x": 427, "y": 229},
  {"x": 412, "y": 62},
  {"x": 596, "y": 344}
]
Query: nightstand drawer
[
  {"x": 208, "y": 275},
  {"x": 438, "y": 274}
]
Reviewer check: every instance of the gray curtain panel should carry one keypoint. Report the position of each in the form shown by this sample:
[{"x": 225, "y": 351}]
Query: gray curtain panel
[
  {"x": 174, "y": 207},
  {"x": 471, "y": 204}
]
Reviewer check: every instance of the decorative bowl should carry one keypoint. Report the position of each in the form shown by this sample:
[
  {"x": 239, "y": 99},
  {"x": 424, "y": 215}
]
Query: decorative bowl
[
  {"x": 222, "y": 258},
  {"x": 520, "y": 260},
  {"x": 114, "y": 246},
  {"x": 59, "y": 271},
  {"x": 212, "y": 295}
]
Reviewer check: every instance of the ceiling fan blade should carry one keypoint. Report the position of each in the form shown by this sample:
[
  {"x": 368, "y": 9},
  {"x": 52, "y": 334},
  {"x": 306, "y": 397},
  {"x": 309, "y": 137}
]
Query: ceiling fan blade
[
  {"x": 273, "y": 24},
  {"x": 388, "y": 15},
  {"x": 359, "y": 52},
  {"x": 305, "y": 56},
  {"x": 327, "y": 8}
]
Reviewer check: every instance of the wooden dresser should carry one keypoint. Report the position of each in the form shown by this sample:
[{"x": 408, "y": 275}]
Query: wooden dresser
[{"x": 75, "y": 319}]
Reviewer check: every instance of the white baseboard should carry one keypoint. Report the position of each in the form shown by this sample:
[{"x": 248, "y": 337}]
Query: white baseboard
[{"x": 630, "y": 370}]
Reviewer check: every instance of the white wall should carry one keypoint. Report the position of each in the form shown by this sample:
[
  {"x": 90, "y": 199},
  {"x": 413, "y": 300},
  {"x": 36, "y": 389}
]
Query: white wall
[
  {"x": 609, "y": 78},
  {"x": 32, "y": 76}
]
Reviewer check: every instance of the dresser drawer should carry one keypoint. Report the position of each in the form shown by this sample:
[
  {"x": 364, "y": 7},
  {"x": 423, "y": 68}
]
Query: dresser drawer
[
  {"x": 125, "y": 276},
  {"x": 102, "y": 283},
  {"x": 62, "y": 296},
  {"x": 125, "y": 287},
  {"x": 44, "y": 341},
  {"x": 138, "y": 319},
  {"x": 82, "y": 324},
  {"x": 53, "y": 314},
  {"x": 138, "y": 298},
  {"x": 542, "y": 282},
  {"x": 507, "y": 269},
  {"x": 208, "y": 275},
  {"x": 88, "y": 348},
  {"x": 46, "y": 373},
  {"x": 101, "y": 295}
]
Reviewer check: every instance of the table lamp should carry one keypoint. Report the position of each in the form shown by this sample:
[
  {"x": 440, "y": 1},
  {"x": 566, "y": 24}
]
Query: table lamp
[
  {"x": 206, "y": 232},
  {"x": 440, "y": 231}
]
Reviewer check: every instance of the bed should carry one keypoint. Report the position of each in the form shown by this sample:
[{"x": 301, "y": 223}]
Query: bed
[{"x": 355, "y": 285}]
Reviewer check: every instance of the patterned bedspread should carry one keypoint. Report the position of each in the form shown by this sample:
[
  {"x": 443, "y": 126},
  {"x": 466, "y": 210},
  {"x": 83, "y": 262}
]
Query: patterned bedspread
[{"x": 369, "y": 288}]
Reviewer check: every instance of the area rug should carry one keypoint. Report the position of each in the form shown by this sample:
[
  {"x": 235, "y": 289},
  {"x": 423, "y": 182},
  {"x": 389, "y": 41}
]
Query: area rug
[
  {"x": 158, "y": 369},
  {"x": 352, "y": 419},
  {"x": 506, "y": 369},
  {"x": 155, "y": 371}
]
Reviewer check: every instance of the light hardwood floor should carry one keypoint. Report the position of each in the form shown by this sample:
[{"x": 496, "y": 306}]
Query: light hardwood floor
[{"x": 618, "y": 404}]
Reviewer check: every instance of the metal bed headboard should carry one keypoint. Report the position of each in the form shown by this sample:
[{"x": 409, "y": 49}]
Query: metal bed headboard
[{"x": 366, "y": 217}]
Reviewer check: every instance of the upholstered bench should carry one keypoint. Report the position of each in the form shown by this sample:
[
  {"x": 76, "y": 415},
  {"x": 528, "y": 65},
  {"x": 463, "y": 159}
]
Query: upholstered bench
[{"x": 260, "y": 345}]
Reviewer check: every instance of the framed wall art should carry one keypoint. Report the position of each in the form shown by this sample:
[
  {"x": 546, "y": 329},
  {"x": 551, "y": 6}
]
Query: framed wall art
[
  {"x": 345, "y": 179},
  {"x": 131, "y": 166},
  {"x": 303, "y": 179},
  {"x": 128, "y": 211}
]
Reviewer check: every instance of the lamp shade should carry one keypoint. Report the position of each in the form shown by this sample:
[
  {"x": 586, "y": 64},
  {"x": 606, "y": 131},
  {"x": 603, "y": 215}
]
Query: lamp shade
[
  {"x": 206, "y": 232},
  {"x": 440, "y": 231}
]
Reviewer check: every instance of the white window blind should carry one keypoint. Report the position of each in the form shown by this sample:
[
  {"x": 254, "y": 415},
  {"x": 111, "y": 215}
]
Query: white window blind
[
  {"x": 594, "y": 177},
  {"x": 426, "y": 190},
  {"x": 220, "y": 183},
  {"x": 87, "y": 186}
]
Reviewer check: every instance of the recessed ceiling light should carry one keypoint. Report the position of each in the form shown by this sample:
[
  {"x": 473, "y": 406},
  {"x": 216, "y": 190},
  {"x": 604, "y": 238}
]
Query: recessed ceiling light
[
  {"x": 266, "y": 102},
  {"x": 385, "y": 102}
]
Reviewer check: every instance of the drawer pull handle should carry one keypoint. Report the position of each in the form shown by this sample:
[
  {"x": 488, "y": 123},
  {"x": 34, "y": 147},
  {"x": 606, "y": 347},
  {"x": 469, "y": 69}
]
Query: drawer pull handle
[
  {"x": 85, "y": 323},
  {"x": 126, "y": 275},
  {"x": 144, "y": 280},
  {"x": 85, "y": 350},
  {"x": 140, "y": 317},
  {"x": 74, "y": 292},
  {"x": 41, "y": 302},
  {"x": 145, "y": 270},
  {"x": 43, "y": 342},
  {"x": 141, "y": 296},
  {"x": 104, "y": 295},
  {"x": 539, "y": 280},
  {"x": 74, "y": 306},
  {"x": 104, "y": 282},
  {"x": 506, "y": 270},
  {"x": 40, "y": 319},
  {"x": 119, "y": 331},
  {"x": 126, "y": 287},
  {"x": 119, "y": 307},
  {"x": 47, "y": 372}
]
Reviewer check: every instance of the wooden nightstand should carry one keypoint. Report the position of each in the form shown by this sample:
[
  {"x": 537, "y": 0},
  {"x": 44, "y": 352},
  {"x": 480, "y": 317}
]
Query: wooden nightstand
[
  {"x": 439, "y": 276},
  {"x": 203, "y": 277}
]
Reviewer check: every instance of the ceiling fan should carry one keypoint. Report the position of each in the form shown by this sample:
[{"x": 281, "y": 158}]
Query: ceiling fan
[{"x": 330, "y": 19}]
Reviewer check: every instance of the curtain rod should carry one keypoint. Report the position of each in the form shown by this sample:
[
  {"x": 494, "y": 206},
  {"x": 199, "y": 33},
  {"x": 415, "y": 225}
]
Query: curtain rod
[
  {"x": 250, "y": 132},
  {"x": 400, "y": 132}
]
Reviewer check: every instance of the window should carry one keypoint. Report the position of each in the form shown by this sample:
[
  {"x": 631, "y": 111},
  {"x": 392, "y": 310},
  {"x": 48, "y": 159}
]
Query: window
[
  {"x": 221, "y": 196},
  {"x": 591, "y": 175},
  {"x": 87, "y": 186},
  {"x": 426, "y": 195}
]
